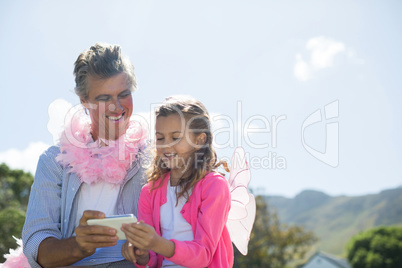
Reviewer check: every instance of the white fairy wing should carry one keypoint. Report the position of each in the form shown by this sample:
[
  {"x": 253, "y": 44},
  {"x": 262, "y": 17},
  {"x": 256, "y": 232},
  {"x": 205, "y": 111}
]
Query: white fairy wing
[
  {"x": 237, "y": 166},
  {"x": 242, "y": 212},
  {"x": 240, "y": 230},
  {"x": 240, "y": 198}
]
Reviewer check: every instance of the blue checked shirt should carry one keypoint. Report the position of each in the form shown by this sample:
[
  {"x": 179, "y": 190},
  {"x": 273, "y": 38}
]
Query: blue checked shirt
[{"x": 52, "y": 207}]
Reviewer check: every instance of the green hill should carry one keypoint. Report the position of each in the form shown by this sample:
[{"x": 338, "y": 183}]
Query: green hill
[{"x": 336, "y": 219}]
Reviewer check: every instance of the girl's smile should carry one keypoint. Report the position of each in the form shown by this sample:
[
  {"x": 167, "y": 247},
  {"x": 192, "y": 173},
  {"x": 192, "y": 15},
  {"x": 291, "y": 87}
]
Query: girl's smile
[{"x": 175, "y": 143}]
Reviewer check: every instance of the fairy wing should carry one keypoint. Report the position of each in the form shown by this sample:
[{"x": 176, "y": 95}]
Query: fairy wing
[
  {"x": 242, "y": 212},
  {"x": 240, "y": 230}
]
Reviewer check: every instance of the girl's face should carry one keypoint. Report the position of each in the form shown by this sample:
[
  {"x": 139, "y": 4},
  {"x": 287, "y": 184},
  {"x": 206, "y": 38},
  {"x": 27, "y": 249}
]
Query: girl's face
[
  {"x": 110, "y": 106},
  {"x": 175, "y": 143}
]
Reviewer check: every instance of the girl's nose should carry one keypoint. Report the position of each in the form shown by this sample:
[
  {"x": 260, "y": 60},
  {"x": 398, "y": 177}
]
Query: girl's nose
[{"x": 166, "y": 144}]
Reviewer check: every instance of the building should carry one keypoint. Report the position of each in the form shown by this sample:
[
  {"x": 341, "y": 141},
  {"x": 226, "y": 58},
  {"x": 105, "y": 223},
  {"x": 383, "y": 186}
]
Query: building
[{"x": 324, "y": 260}]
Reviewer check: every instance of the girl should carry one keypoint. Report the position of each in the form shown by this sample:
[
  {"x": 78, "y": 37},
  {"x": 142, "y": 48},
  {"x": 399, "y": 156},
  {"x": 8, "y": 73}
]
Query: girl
[{"x": 183, "y": 209}]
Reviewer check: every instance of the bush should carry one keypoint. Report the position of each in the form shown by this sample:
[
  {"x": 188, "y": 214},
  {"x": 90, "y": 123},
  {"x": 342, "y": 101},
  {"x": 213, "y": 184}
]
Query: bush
[
  {"x": 273, "y": 244},
  {"x": 15, "y": 187},
  {"x": 380, "y": 247},
  {"x": 11, "y": 223}
]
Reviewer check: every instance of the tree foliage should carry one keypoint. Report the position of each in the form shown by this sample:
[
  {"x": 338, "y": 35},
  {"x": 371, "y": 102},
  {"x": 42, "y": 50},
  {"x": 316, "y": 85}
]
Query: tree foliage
[
  {"x": 11, "y": 223},
  {"x": 272, "y": 244},
  {"x": 15, "y": 186},
  {"x": 379, "y": 247}
]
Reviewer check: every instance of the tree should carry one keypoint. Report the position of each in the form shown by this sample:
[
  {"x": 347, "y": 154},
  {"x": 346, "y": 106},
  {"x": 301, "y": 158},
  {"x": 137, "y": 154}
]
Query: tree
[
  {"x": 15, "y": 186},
  {"x": 272, "y": 244},
  {"x": 379, "y": 247},
  {"x": 11, "y": 223}
]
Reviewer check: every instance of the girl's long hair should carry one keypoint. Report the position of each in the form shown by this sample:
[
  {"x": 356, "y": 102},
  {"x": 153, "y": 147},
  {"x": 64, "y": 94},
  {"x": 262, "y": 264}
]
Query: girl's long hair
[{"x": 203, "y": 160}]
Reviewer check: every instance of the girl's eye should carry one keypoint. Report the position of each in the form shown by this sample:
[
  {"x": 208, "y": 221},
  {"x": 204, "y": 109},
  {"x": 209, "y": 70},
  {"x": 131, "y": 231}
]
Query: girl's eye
[
  {"x": 159, "y": 139},
  {"x": 176, "y": 139}
]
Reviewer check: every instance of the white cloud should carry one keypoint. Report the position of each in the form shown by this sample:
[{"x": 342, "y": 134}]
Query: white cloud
[
  {"x": 323, "y": 51},
  {"x": 302, "y": 69},
  {"x": 26, "y": 159}
]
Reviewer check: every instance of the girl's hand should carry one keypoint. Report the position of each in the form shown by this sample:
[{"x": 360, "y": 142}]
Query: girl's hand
[
  {"x": 141, "y": 235},
  {"x": 134, "y": 255},
  {"x": 144, "y": 236}
]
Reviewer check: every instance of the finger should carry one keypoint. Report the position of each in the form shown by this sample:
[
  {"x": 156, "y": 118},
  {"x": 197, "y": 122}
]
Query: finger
[
  {"x": 125, "y": 227},
  {"x": 95, "y": 230},
  {"x": 96, "y": 239},
  {"x": 143, "y": 244},
  {"x": 140, "y": 237},
  {"x": 91, "y": 214},
  {"x": 124, "y": 252},
  {"x": 141, "y": 225},
  {"x": 89, "y": 243},
  {"x": 138, "y": 227},
  {"x": 92, "y": 246},
  {"x": 137, "y": 244},
  {"x": 130, "y": 248},
  {"x": 128, "y": 252},
  {"x": 130, "y": 229},
  {"x": 127, "y": 231},
  {"x": 136, "y": 235}
]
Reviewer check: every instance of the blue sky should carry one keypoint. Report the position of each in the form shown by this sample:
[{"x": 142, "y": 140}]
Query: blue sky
[{"x": 269, "y": 59}]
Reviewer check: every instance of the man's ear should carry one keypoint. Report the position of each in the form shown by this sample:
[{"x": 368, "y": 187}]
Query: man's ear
[{"x": 84, "y": 103}]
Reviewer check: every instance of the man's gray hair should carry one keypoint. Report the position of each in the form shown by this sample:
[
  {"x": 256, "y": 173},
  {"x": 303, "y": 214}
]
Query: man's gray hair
[{"x": 101, "y": 61}]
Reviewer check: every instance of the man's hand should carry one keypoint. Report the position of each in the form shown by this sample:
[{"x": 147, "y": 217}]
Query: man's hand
[
  {"x": 53, "y": 252},
  {"x": 91, "y": 237}
]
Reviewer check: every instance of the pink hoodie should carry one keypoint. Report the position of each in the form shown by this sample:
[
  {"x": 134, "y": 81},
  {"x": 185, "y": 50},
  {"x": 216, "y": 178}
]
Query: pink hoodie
[{"x": 206, "y": 210}]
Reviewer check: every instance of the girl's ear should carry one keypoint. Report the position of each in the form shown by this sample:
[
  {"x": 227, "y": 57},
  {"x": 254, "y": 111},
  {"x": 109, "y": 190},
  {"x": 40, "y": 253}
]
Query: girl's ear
[{"x": 201, "y": 139}]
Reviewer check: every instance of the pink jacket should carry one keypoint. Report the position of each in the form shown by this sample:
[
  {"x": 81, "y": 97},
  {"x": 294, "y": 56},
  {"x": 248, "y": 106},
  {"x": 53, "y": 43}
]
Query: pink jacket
[{"x": 206, "y": 210}]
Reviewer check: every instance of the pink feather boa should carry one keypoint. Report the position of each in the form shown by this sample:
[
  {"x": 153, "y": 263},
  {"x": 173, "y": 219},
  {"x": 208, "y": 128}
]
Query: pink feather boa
[
  {"x": 16, "y": 258},
  {"x": 92, "y": 162}
]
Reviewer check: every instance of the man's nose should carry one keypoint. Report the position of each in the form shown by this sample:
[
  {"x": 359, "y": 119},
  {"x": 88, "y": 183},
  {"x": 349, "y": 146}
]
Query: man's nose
[{"x": 116, "y": 106}]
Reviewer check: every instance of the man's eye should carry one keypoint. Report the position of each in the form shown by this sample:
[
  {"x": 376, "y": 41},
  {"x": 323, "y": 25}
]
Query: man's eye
[
  {"x": 125, "y": 94},
  {"x": 103, "y": 99}
]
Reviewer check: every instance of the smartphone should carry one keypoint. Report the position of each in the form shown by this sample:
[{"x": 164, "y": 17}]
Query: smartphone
[{"x": 115, "y": 222}]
